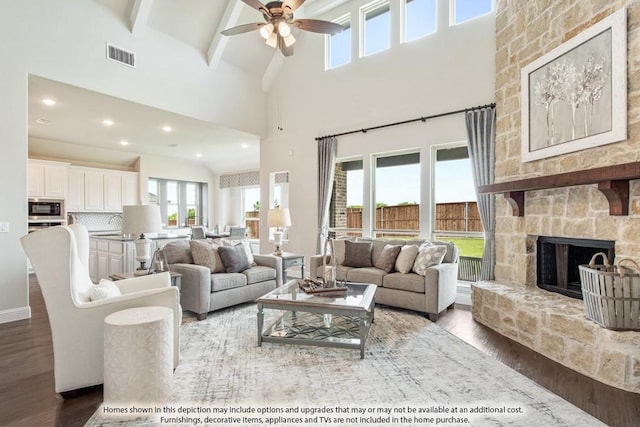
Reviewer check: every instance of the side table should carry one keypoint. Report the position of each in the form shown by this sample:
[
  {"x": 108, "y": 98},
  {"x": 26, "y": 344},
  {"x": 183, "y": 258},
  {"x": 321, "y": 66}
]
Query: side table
[
  {"x": 176, "y": 278},
  {"x": 290, "y": 260}
]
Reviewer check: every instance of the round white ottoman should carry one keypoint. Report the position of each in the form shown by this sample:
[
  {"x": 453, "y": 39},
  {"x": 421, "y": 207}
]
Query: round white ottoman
[{"x": 138, "y": 355}]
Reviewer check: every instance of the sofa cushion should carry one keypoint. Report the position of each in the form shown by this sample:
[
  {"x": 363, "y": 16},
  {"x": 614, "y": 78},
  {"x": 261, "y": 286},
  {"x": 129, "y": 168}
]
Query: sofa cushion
[
  {"x": 366, "y": 275},
  {"x": 411, "y": 282},
  {"x": 223, "y": 281},
  {"x": 357, "y": 254},
  {"x": 406, "y": 258},
  {"x": 234, "y": 258},
  {"x": 428, "y": 255},
  {"x": 178, "y": 251},
  {"x": 387, "y": 259},
  {"x": 339, "y": 247},
  {"x": 206, "y": 254},
  {"x": 259, "y": 273}
]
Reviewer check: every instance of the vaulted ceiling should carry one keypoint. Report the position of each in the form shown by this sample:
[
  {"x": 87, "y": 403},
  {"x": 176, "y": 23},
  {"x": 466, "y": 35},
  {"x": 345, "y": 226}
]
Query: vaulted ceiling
[{"x": 197, "y": 25}]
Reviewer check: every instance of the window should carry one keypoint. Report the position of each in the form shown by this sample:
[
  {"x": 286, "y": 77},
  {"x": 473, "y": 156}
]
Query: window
[
  {"x": 457, "y": 218},
  {"x": 182, "y": 203},
  {"x": 376, "y": 27},
  {"x": 465, "y": 10},
  {"x": 397, "y": 196},
  {"x": 251, "y": 209},
  {"x": 419, "y": 18},
  {"x": 339, "y": 46},
  {"x": 345, "y": 211}
]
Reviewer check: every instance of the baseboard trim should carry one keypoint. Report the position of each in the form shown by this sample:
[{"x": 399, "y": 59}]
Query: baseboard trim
[
  {"x": 14, "y": 314},
  {"x": 463, "y": 293}
]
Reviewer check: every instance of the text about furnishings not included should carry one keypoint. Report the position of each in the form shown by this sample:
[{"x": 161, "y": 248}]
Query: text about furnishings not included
[{"x": 322, "y": 415}]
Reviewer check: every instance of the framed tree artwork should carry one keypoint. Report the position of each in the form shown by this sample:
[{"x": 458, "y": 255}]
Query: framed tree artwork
[{"x": 575, "y": 96}]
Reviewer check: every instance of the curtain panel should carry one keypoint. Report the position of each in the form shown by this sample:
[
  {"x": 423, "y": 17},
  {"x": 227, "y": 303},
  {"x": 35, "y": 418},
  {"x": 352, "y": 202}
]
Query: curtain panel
[
  {"x": 327, "y": 151},
  {"x": 481, "y": 142}
]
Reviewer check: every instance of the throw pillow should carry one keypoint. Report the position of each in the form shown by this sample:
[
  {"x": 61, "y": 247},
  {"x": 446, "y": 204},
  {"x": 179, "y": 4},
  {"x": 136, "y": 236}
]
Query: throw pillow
[
  {"x": 357, "y": 254},
  {"x": 406, "y": 258},
  {"x": 234, "y": 258},
  {"x": 105, "y": 289},
  {"x": 206, "y": 254},
  {"x": 178, "y": 251},
  {"x": 245, "y": 244},
  {"x": 387, "y": 259},
  {"x": 428, "y": 255}
]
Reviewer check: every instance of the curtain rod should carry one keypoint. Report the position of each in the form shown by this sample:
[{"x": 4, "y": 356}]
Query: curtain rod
[{"x": 419, "y": 119}]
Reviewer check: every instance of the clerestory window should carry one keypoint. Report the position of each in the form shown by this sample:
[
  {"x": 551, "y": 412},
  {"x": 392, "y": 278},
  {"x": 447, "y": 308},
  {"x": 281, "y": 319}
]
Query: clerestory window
[
  {"x": 419, "y": 18},
  {"x": 376, "y": 27}
]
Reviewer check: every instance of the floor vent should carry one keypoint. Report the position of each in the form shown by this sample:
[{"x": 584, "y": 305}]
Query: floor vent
[{"x": 120, "y": 55}]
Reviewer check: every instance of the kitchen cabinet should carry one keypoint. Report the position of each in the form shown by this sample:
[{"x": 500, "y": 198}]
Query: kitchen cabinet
[
  {"x": 47, "y": 179},
  {"x": 110, "y": 256},
  {"x": 101, "y": 190}
]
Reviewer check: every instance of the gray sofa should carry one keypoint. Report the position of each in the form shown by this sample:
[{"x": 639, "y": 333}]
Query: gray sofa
[
  {"x": 431, "y": 292},
  {"x": 203, "y": 291}
]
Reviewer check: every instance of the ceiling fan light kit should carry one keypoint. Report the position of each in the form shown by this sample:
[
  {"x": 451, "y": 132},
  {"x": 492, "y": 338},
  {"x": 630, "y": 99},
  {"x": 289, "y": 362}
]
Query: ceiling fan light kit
[{"x": 279, "y": 18}]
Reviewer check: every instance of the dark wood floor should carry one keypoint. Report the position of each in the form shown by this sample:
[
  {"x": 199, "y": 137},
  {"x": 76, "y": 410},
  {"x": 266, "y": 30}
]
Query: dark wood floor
[{"x": 27, "y": 396}]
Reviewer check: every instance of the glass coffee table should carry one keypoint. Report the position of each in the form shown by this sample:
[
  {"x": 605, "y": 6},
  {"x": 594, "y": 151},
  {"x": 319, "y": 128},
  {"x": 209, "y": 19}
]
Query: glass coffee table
[{"x": 341, "y": 320}]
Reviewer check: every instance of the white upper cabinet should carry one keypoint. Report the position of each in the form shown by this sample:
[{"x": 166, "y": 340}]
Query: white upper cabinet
[
  {"x": 47, "y": 179},
  {"x": 101, "y": 190}
]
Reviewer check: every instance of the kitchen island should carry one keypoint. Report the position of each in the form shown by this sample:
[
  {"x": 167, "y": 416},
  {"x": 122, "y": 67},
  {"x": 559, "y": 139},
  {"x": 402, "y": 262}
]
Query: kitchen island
[{"x": 114, "y": 253}]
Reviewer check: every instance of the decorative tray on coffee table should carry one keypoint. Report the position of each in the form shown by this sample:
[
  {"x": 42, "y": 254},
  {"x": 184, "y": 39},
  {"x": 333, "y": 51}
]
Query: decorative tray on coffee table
[{"x": 318, "y": 287}]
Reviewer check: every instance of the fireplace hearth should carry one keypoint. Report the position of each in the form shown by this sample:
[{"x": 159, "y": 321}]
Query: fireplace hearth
[{"x": 558, "y": 259}]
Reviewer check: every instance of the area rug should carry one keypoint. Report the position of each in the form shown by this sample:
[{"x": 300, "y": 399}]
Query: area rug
[{"x": 413, "y": 373}]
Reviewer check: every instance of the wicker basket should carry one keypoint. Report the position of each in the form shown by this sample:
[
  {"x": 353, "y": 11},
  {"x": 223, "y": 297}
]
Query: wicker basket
[{"x": 611, "y": 293}]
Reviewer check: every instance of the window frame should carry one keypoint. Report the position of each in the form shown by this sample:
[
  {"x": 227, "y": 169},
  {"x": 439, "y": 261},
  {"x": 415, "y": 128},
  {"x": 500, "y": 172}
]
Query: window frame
[
  {"x": 452, "y": 13},
  {"x": 344, "y": 20},
  {"x": 182, "y": 219},
  {"x": 364, "y": 10},
  {"x": 404, "y": 22}
]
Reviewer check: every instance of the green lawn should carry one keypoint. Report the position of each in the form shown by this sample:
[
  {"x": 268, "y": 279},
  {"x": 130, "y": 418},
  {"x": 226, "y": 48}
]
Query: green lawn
[{"x": 468, "y": 246}]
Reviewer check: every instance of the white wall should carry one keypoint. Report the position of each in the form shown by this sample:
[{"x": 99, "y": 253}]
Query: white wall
[
  {"x": 450, "y": 70},
  {"x": 65, "y": 41}
]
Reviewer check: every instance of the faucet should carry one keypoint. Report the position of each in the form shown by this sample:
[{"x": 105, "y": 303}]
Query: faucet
[{"x": 116, "y": 215}]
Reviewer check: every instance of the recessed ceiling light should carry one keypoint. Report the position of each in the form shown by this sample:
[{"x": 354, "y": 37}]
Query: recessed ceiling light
[
  {"x": 198, "y": 155},
  {"x": 124, "y": 142},
  {"x": 245, "y": 145},
  {"x": 107, "y": 122},
  {"x": 49, "y": 102},
  {"x": 167, "y": 128}
]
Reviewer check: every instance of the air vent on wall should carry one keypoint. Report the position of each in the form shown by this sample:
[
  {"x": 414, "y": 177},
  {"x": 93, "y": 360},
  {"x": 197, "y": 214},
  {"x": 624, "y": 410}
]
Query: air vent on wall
[{"x": 120, "y": 55}]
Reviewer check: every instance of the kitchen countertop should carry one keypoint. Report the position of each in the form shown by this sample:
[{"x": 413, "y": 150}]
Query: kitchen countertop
[{"x": 114, "y": 236}]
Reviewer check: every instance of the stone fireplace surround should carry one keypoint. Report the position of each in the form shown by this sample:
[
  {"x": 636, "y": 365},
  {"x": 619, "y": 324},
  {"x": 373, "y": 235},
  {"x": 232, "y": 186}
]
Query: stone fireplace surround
[{"x": 550, "y": 323}]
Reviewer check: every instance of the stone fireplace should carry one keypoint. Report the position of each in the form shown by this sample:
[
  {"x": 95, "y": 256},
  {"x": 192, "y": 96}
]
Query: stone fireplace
[
  {"x": 558, "y": 260},
  {"x": 552, "y": 323}
]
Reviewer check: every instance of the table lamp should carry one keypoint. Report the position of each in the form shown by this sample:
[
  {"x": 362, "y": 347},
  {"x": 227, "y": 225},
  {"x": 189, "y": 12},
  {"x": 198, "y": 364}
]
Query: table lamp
[
  {"x": 137, "y": 220},
  {"x": 279, "y": 218}
]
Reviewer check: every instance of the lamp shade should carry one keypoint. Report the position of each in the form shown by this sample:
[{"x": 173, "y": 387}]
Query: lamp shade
[
  {"x": 140, "y": 219},
  {"x": 279, "y": 217}
]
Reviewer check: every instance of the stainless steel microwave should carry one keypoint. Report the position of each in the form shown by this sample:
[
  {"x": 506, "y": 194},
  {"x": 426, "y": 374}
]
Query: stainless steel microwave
[{"x": 46, "y": 209}]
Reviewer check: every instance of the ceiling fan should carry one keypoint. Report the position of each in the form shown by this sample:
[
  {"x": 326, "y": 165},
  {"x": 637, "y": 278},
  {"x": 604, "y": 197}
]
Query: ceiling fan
[{"x": 279, "y": 20}]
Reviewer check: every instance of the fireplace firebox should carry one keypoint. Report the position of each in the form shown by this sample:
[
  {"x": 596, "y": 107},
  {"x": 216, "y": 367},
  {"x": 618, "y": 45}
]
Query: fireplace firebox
[{"x": 558, "y": 259}]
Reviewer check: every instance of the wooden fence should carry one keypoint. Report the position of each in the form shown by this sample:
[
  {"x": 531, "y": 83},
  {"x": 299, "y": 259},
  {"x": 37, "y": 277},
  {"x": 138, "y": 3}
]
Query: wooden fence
[{"x": 459, "y": 217}]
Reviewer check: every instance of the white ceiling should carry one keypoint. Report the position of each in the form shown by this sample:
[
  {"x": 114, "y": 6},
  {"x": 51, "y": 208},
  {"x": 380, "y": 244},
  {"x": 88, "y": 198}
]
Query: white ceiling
[{"x": 78, "y": 114}]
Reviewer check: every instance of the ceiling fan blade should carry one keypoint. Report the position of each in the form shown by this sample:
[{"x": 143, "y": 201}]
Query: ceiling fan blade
[
  {"x": 292, "y": 4},
  {"x": 257, "y": 6},
  {"x": 318, "y": 26},
  {"x": 245, "y": 28},
  {"x": 286, "y": 50}
]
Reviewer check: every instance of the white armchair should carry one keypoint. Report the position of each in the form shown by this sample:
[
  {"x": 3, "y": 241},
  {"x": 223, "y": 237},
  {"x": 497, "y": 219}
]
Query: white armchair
[{"x": 60, "y": 256}]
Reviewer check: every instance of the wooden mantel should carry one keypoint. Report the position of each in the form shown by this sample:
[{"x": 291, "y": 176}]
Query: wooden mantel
[{"x": 613, "y": 182}]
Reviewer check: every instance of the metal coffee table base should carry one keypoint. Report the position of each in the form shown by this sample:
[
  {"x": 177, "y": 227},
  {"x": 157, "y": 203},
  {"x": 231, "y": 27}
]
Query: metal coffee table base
[{"x": 319, "y": 327}]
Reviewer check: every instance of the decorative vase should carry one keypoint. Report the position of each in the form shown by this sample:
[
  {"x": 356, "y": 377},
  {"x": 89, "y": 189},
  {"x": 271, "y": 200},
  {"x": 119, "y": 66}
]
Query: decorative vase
[{"x": 329, "y": 271}]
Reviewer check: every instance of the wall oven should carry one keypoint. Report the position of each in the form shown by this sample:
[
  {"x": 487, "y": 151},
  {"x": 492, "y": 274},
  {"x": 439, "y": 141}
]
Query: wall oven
[{"x": 46, "y": 210}]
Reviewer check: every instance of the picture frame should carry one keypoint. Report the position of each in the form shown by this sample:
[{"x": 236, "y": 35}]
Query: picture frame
[{"x": 575, "y": 96}]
